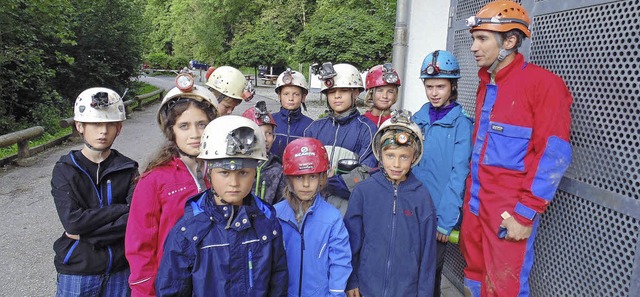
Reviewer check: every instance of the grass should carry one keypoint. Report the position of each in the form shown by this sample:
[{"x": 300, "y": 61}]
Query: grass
[{"x": 45, "y": 138}]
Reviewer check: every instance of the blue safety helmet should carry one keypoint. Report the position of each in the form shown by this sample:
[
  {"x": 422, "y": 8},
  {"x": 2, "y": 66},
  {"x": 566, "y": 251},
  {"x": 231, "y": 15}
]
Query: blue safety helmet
[{"x": 440, "y": 64}]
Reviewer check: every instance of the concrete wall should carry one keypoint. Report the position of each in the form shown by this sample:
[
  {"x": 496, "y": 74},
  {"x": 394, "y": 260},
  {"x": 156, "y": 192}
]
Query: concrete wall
[{"x": 427, "y": 31}]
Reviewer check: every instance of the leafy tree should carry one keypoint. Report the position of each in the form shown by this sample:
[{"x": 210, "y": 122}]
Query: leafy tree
[
  {"x": 349, "y": 35},
  {"x": 108, "y": 46},
  {"x": 31, "y": 35},
  {"x": 262, "y": 46}
]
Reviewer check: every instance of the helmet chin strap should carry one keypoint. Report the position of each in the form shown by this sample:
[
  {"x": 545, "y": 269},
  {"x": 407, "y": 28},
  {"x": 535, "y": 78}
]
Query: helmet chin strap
[{"x": 501, "y": 55}]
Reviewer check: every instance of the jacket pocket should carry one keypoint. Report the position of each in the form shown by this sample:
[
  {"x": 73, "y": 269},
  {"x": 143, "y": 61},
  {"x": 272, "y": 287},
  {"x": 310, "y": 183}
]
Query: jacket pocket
[{"x": 507, "y": 146}]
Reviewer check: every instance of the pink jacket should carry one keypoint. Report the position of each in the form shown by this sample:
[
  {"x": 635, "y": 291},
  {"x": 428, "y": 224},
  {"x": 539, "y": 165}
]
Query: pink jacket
[{"x": 158, "y": 203}]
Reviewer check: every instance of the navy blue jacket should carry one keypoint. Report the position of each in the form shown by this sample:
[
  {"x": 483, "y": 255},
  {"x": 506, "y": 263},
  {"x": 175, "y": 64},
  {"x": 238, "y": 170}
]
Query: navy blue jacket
[
  {"x": 290, "y": 126},
  {"x": 98, "y": 213},
  {"x": 354, "y": 133},
  {"x": 204, "y": 257},
  {"x": 392, "y": 231}
]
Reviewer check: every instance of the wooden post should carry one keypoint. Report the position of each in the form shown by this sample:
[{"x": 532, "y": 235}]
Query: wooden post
[{"x": 22, "y": 139}]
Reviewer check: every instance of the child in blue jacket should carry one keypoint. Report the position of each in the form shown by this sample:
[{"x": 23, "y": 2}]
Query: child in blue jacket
[
  {"x": 391, "y": 219},
  {"x": 229, "y": 242},
  {"x": 292, "y": 90},
  {"x": 315, "y": 237},
  {"x": 444, "y": 166}
]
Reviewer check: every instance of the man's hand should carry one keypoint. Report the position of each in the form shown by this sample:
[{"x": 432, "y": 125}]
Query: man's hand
[
  {"x": 353, "y": 292},
  {"x": 441, "y": 237},
  {"x": 72, "y": 236},
  {"x": 515, "y": 231}
]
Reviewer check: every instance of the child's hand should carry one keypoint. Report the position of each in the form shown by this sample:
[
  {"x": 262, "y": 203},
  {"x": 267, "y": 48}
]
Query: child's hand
[
  {"x": 72, "y": 236},
  {"x": 442, "y": 238},
  {"x": 353, "y": 292}
]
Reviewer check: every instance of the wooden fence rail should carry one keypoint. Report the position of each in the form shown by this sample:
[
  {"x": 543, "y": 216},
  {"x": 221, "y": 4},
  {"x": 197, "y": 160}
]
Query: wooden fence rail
[{"x": 22, "y": 137}]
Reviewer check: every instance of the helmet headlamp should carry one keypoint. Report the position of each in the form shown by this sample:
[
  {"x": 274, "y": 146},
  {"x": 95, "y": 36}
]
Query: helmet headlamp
[
  {"x": 185, "y": 82},
  {"x": 100, "y": 100},
  {"x": 241, "y": 141},
  {"x": 287, "y": 78},
  {"x": 388, "y": 74}
]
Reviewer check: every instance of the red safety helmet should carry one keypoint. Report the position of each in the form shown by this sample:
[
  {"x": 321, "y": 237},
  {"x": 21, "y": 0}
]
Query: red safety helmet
[
  {"x": 382, "y": 75},
  {"x": 305, "y": 156},
  {"x": 259, "y": 114}
]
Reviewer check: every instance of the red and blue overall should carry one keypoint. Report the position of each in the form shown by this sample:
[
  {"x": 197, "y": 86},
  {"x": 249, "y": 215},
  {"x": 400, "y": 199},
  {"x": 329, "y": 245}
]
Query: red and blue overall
[{"x": 520, "y": 153}]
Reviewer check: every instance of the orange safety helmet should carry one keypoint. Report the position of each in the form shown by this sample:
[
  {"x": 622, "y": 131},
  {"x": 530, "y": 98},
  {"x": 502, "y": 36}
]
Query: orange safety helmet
[
  {"x": 305, "y": 156},
  {"x": 501, "y": 16}
]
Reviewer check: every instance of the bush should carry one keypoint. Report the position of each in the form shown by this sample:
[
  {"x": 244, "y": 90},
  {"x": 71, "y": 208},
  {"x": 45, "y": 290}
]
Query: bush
[
  {"x": 178, "y": 62},
  {"x": 158, "y": 60}
]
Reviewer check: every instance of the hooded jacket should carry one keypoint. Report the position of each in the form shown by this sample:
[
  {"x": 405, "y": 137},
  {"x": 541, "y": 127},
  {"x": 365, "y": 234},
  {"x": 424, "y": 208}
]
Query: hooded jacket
[
  {"x": 96, "y": 212},
  {"x": 318, "y": 252},
  {"x": 270, "y": 182},
  {"x": 158, "y": 203},
  {"x": 290, "y": 126},
  {"x": 222, "y": 250},
  {"x": 352, "y": 132},
  {"x": 444, "y": 166},
  {"x": 392, "y": 235}
]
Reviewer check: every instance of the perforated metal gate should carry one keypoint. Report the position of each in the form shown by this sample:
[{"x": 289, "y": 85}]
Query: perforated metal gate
[{"x": 588, "y": 238}]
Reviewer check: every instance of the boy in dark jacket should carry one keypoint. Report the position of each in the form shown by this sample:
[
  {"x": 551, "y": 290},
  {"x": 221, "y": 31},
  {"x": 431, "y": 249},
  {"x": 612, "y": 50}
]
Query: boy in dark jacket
[
  {"x": 229, "y": 242},
  {"x": 92, "y": 189},
  {"x": 391, "y": 219},
  {"x": 269, "y": 184},
  {"x": 291, "y": 87},
  {"x": 345, "y": 132}
]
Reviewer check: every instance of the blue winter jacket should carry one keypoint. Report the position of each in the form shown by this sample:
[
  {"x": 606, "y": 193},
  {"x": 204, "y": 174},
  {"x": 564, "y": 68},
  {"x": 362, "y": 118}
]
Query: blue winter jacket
[
  {"x": 353, "y": 132},
  {"x": 318, "y": 252},
  {"x": 392, "y": 230},
  {"x": 205, "y": 254},
  {"x": 290, "y": 126},
  {"x": 444, "y": 166}
]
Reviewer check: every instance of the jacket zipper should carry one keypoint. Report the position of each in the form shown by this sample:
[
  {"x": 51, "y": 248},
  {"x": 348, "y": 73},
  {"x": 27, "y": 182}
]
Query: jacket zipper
[
  {"x": 250, "y": 270},
  {"x": 95, "y": 187},
  {"x": 288, "y": 127},
  {"x": 392, "y": 240},
  {"x": 301, "y": 256}
]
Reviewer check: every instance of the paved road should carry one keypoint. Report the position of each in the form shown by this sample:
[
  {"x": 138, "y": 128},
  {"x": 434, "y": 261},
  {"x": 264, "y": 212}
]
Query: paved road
[{"x": 28, "y": 220}]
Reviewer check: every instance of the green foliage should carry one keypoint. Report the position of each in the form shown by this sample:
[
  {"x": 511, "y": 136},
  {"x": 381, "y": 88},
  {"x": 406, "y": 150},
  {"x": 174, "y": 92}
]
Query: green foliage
[
  {"x": 29, "y": 56},
  {"x": 178, "y": 62},
  {"x": 346, "y": 35},
  {"x": 261, "y": 46},
  {"x": 158, "y": 60}
]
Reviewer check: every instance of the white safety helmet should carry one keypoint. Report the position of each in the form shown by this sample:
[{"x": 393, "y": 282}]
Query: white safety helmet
[
  {"x": 99, "y": 105},
  {"x": 405, "y": 132},
  {"x": 185, "y": 89},
  {"x": 291, "y": 78},
  {"x": 229, "y": 81},
  {"x": 345, "y": 76},
  {"x": 232, "y": 137}
]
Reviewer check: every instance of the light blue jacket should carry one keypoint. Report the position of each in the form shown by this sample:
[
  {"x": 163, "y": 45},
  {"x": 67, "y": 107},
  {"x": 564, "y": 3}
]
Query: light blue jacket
[
  {"x": 444, "y": 166},
  {"x": 318, "y": 252}
]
